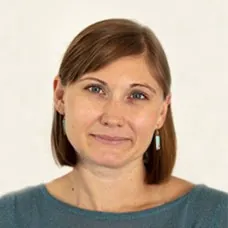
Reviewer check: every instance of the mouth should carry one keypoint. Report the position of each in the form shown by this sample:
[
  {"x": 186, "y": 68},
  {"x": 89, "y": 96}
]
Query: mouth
[{"x": 112, "y": 140}]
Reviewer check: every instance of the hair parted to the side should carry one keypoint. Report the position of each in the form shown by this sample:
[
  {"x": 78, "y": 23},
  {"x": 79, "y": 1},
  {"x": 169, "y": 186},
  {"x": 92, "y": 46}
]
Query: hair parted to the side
[{"x": 93, "y": 48}]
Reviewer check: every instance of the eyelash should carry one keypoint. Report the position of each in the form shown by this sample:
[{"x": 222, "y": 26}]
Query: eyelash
[{"x": 88, "y": 88}]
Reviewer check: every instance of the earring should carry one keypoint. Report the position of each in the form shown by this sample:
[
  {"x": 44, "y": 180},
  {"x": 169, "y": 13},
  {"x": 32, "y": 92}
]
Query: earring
[
  {"x": 64, "y": 127},
  {"x": 157, "y": 140}
]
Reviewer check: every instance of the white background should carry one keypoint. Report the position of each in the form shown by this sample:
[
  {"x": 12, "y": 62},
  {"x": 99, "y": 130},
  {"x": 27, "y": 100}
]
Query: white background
[{"x": 33, "y": 38}]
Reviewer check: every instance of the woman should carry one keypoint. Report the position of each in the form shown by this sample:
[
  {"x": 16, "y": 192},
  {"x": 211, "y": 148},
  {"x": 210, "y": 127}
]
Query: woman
[{"x": 113, "y": 125}]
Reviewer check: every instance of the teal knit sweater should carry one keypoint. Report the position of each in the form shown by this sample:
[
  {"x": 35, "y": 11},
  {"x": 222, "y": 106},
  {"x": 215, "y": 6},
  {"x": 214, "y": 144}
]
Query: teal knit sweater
[{"x": 35, "y": 207}]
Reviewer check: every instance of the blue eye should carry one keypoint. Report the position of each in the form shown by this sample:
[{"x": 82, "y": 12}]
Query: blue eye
[
  {"x": 138, "y": 96},
  {"x": 94, "y": 89}
]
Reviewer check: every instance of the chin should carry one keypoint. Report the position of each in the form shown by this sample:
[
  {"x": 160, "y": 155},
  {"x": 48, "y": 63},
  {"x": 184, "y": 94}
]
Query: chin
[{"x": 109, "y": 161}]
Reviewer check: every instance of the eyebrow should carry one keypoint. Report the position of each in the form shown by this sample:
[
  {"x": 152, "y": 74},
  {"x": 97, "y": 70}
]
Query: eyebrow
[{"x": 131, "y": 85}]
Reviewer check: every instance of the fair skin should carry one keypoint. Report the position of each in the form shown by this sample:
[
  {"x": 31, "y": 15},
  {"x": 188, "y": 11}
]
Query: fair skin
[{"x": 121, "y": 100}]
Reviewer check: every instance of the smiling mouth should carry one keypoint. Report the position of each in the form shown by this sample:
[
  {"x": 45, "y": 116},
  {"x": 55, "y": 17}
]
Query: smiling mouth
[{"x": 105, "y": 139}]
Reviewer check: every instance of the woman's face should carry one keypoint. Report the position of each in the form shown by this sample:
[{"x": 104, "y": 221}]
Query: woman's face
[{"x": 111, "y": 114}]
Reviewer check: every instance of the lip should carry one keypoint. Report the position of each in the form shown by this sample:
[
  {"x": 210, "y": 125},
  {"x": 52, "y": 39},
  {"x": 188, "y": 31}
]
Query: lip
[{"x": 107, "y": 139}]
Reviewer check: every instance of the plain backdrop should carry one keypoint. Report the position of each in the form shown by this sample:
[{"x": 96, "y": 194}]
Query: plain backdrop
[{"x": 33, "y": 38}]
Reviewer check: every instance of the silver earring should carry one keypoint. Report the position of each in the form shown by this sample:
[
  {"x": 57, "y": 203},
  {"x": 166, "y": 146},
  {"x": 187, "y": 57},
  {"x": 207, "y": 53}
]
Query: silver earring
[{"x": 157, "y": 140}]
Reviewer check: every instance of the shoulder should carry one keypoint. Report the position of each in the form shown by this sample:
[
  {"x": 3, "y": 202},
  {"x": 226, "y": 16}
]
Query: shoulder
[
  {"x": 17, "y": 204},
  {"x": 7, "y": 210},
  {"x": 198, "y": 193},
  {"x": 210, "y": 206},
  {"x": 205, "y": 205},
  {"x": 210, "y": 196}
]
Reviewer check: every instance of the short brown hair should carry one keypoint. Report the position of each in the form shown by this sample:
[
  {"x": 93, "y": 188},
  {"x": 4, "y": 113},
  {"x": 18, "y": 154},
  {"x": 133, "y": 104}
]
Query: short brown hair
[{"x": 93, "y": 48}]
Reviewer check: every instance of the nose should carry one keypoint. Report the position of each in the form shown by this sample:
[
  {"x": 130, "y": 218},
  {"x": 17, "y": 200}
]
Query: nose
[{"x": 113, "y": 114}]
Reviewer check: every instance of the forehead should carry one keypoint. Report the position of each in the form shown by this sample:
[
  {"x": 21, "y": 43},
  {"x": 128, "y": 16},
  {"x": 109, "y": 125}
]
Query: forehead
[{"x": 130, "y": 69}]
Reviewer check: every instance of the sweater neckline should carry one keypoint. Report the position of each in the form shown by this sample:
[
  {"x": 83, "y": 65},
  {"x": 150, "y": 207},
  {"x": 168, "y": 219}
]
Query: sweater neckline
[{"x": 63, "y": 206}]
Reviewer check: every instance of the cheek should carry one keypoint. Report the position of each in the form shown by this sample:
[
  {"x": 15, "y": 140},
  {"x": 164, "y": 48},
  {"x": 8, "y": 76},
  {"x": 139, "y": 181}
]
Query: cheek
[
  {"x": 80, "y": 111},
  {"x": 145, "y": 124},
  {"x": 80, "y": 115}
]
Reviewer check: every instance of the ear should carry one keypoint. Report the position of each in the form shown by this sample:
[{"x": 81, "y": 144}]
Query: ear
[
  {"x": 163, "y": 111},
  {"x": 58, "y": 95}
]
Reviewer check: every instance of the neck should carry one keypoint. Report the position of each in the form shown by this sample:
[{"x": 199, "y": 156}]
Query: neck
[{"x": 107, "y": 189}]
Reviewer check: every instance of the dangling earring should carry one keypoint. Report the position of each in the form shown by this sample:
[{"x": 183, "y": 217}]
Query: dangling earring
[
  {"x": 64, "y": 127},
  {"x": 157, "y": 140}
]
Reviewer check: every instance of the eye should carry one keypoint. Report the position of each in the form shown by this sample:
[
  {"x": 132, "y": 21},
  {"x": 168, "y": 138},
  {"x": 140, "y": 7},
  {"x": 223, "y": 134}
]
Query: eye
[
  {"x": 94, "y": 89},
  {"x": 138, "y": 96}
]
